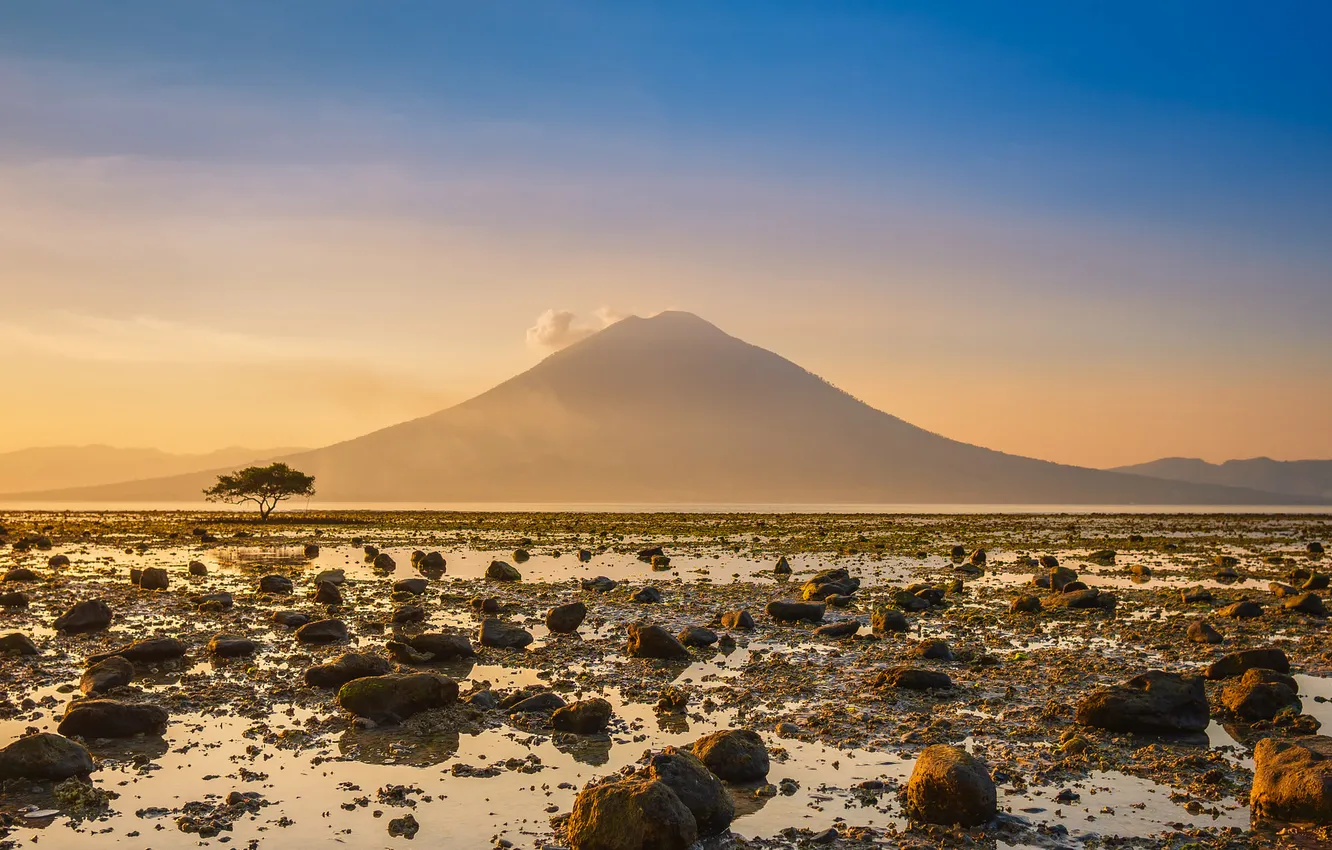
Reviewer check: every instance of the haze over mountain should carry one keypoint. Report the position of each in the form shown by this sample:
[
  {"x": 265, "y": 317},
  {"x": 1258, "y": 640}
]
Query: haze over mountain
[
  {"x": 53, "y": 467},
  {"x": 1294, "y": 477},
  {"x": 672, "y": 410}
]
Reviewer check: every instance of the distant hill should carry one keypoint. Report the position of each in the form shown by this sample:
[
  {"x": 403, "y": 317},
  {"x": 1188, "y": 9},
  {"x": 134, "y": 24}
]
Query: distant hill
[
  {"x": 672, "y": 410},
  {"x": 1292, "y": 477},
  {"x": 59, "y": 467}
]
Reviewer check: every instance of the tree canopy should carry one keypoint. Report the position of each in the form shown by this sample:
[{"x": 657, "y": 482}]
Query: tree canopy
[{"x": 263, "y": 485}]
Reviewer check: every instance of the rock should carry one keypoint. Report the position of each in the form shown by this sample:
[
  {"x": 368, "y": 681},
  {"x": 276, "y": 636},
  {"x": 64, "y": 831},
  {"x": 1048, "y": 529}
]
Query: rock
[
  {"x": 936, "y": 649},
  {"x": 397, "y": 696},
  {"x": 501, "y": 635},
  {"x": 697, "y": 787},
  {"x": 839, "y": 601},
  {"x": 1049, "y": 561},
  {"x": 323, "y": 631},
  {"x": 541, "y": 703},
  {"x": 913, "y": 679},
  {"x": 649, "y": 553},
  {"x": 14, "y": 599},
  {"x": 433, "y": 562},
  {"x": 584, "y": 555},
  {"x": 1306, "y": 603},
  {"x": 290, "y": 619},
  {"x": 958, "y": 551},
  {"x": 1316, "y": 581},
  {"x": 148, "y": 651},
  {"x": 45, "y": 758},
  {"x": 1104, "y": 557},
  {"x": 1060, "y": 577},
  {"x": 502, "y": 571},
  {"x": 405, "y": 654},
  {"x": 1195, "y": 596},
  {"x": 521, "y": 555},
  {"x": 21, "y": 574},
  {"x": 585, "y": 717},
  {"x": 275, "y": 584},
  {"x": 828, "y": 583},
  {"x": 1088, "y": 598},
  {"x": 647, "y": 595},
  {"x": 443, "y": 647},
  {"x": 16, "y": 643},
  {"x": 1260, "y": 695},
  {"x": 1025, "y": 604},
  {"x": 1141, "y": 571},
  {"x": 198, "y": 568},
  {"x": 230, "y": 646},
  {"x": 407, "y": 614},
  {"x": 384, "y": 562},
  {"x": 630, "y": 814},
  {"x": 782, "y": 568},
  {"x": 1292, "y": 780},
  {"x": 108, "y": 718},
  {"x": 414, "y": 586},
  {"x": 1155, "y": 702},
  {"x": 1236, "y": 663},
  {"x": 565, "y": 619},
  {"x": 950, "y": 786},
  {"x": 1242, "y": 610},
  {"x": 1227, "y": 562},
  {"x": 311, "y": 550},
  {"x": 978, "y": 557},
  {"x": 486, "y": 605},
  {"x": 1314, "y": 548},
  {"x": 654, "y": 642},
  {"x": 841, "y": 629},
  {"x": 791, "y": 611},
  {"x": 345, "y": 668},
  {"x": 661, "y": 563},
  {"x": 327, "y": 593},
  {"x": 600, "y": 584},
  {"x": 336, "y": 577},
  {"x": 371, "y": 552},
  {"x": 735, "y": 755},
  {"x": 403, "y": 827},
  {"x": 89, "y": 615},
  {"x": 220, "y": 600},
  {"x": 57, "y": 562},
  {"x": 696, "y": 636},
  {"x": 1201, "y": 631},
  {"x": 886, "y": 620},
  {"x": 737, "y": 621},
  {"x": 1280, "y": 591},
  {"x": 153, "y": 578},
  {"x": 114, "y": 672}
]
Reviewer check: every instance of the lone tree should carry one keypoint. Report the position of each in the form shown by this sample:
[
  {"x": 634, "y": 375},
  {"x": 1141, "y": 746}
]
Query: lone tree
[{"x": 263, "y": 485}]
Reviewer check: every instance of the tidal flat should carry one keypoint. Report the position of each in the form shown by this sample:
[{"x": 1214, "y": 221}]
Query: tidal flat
[{"x": 253, "y": 754}]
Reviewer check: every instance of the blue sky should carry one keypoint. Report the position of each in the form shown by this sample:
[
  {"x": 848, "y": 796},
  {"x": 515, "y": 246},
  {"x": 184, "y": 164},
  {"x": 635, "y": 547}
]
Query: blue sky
[{"x": 1159, "y": 171}]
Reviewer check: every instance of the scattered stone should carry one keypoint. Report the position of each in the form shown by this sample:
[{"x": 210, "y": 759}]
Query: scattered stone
[
  {"x": 501, "y": 635},
  {"x": 443, "y": 647},
  {"x": 828, "y": 583},
  {"x": 936, "y": 649},
  {"x": 888, "y": 620},
  {"x": 107, "y": 675},
  {"x": 290, "y": 619},
  {"x": 89, "y": 615},
  {"x": 1306, "y": 603},
  {"x": 1242, "y": 610},
  {"x": 45, "y": 757},
  {"x": 1292, "y": 780},
  {"x": 841, "y": 629},
  {"x": 735, "y": 755},
  {"x": 17, "y": 643},
  {"x": 1025, "y": 604},
  {"x": 403, "y": 827},
  {"x": 384, "y": 562},
  {"x": 397, "y": 696},
  {"x": 21, "y": 574},
  {"x": 1201, "y": 631},
  {"x": 198, "y": 568},
  {"x": 107, "y": 718},
  {"x": 696, "y": 636},
  {"x": 1260, "y": 695},
  {"x": 414, "y": 586},
  {"x": 913, "y": 679},
  {"x": 503, "y": 571},
  {"x": 153, "y": 578},
  {"x": 327, "y": 593},
  {"x": 782, "y": 568},
  {"x": 148, "y": 651},
  {"x": 697, "y": 787},
  {"x": 647, "y": 641},
  {"x": 323, "y": 631},
  {"x": 647, "y": 596},
  {"x": 737, "y": 621},
  {"x": 1236, "y": 663},
  {"x": 14, "y": 599},
  {"x": 600, "y": 584},
  {"x": 345, "y": 668},
  {"x": 791, "y": 611},
  {"x": 565, "y": 619},
  {"x": 230, "y": 646},
  {"x": 433, "y": 562},
  {"x": 585, "y": 717},
  {"x": 635, "y": 813},
  {"x": 275, "y": 584}
]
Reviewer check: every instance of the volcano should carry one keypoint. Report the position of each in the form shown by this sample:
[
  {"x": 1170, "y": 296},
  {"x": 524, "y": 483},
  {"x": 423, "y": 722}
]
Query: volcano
[{"x": 671, "y": 409}]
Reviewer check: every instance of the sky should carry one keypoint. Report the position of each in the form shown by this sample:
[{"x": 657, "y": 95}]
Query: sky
[{"x": 1092, "y": 233}]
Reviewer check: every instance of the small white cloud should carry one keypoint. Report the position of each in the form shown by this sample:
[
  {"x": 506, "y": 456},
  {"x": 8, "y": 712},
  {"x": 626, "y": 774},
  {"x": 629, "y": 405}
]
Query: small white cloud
[{"x": 556, "y": 329}]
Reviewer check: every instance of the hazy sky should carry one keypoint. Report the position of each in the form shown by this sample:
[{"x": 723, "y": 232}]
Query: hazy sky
[{"x": 1094, "y": 233}]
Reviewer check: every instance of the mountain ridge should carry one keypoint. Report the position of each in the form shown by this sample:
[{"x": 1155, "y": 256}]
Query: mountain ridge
[
  {"x": 1294, "y": 477},
  {"x": 671, "y": 409},
  {"x": 94, "y": 464}
]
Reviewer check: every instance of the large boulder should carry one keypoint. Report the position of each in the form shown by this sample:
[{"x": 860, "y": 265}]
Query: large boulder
[
  {"x": 654, "y": 642},
  {"x": 114, "y": 672},
  {"x": 1234, "y": 664},
  {"x": 501, "y": 635},
  {"x": 585, "y": 717},
  {"x": 108, "y": 718},
  {"x": 637, "y": 813},
  {"x": 345, "y": 668},
  {"x": 1292, "y": 780},
  {"x": 45, "y": 758},
  {"x": 792, "y": 611},
  {"x": 147, "y": 651},
  {"x": 565, "y": 619},
  {"x": 89, "y": 615},
  {"x": 696, "y": 786},
  {"x": 1260, "y": 695},
  {"x": 396, "y": 697},
  {"x": 1155, "y": 702},
  {"x": 443, "y": 647},
  {"x": 735, "y": 755},
  {"x": 950, "y": 786}
]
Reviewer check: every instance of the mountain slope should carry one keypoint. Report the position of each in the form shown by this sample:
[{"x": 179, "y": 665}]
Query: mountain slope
[
  {"x": 671, "y": 409},
  {"x": 58, "y": 467},
  {"x": 1293, "y": 477}
]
